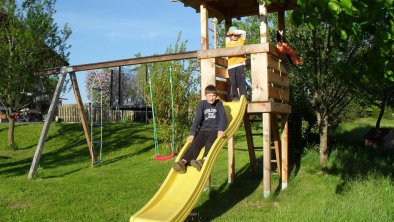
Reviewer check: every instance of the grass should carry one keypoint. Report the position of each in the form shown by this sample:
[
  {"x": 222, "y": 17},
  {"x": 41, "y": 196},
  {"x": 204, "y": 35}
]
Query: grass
[{"x": 357, "y": 186}]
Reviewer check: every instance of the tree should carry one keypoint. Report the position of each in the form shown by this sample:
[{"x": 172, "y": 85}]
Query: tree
[
  {"x": 98, "y": 79},
  {"x": 366, "y": 24},
  {"x": 30, "y": 41},
  {"x": 368, "y": 20},
  {"x": 320, "y": 76}
]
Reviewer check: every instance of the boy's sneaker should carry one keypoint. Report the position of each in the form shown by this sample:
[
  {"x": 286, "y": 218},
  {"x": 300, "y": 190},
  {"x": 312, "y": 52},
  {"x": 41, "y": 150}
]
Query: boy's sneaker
[
  {"x": 197, "y": 164},
  {"x": 179, "y": 167}
]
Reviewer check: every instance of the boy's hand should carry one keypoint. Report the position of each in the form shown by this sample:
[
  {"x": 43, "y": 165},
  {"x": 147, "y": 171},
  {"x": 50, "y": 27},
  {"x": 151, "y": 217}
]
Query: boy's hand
[
  {"x": 190, "y": 138},
  {"x": 221, "y": 134}
]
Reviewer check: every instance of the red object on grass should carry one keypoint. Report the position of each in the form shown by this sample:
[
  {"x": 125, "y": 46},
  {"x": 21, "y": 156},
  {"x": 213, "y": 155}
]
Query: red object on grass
[{"x": 161, "y": 158}]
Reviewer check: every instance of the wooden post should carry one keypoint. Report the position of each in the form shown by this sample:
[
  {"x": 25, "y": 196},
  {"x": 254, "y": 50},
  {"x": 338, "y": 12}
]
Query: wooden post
[
  {"x": 263, "y": 23},
  {"x": 259, "y": 63},
  {"x": 47, "y": 124},
  {"x": 267, "y": 153},
  {"x": 120, "y": 86},
  {"x": 82, "y": 115},
  {"x": 215, "y": 32},
  {"x": 231, "y": 161},
  {"x": 249, "y": 141},
  {"x": 285, "y": 151},
  {"x": 204, "y": 26},
  {"x": 208, "y": 77}
]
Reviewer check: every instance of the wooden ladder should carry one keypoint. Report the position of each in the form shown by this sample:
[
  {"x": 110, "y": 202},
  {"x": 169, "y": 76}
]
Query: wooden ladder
[{"x": 275, "y": 156}]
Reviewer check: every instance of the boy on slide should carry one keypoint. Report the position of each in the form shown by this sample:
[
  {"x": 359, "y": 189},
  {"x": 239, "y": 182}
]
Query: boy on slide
[{"x": 208, "y": 124}]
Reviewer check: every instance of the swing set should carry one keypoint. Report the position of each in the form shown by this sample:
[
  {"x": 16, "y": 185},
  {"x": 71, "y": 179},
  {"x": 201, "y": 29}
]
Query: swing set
[{"x": 158, "y": 155}]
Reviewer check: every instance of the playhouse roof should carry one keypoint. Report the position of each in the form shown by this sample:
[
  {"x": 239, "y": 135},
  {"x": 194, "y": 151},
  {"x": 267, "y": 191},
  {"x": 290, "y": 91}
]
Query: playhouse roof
[{"x": 222, "y": 9}]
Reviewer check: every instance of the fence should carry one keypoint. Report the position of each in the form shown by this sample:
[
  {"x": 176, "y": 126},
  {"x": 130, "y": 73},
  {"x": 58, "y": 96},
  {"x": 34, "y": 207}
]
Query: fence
[{"x": 70, "y": 113}]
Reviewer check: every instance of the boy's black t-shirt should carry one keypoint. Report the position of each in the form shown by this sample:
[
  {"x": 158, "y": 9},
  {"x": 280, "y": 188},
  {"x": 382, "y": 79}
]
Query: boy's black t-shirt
[{"x": 209, "y": 117}]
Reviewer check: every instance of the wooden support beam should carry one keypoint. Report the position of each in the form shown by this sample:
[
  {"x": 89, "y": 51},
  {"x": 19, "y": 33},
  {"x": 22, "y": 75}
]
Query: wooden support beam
[
  {"x": 45, "y": 128},
  {"x": 121, "y": 62},
  {"x": 221, "y": 62},
  {"x": 271, "y": 107},
  {"x": 267, "y": 153},
  {"x": 221, "y": 85},
  {"x": 263, "y": 23},
  {"x": 278, "y": 93},
  {"x": 285, "y": 150},
  {"x": 278, "y": 80},
  {"x": 208, "y": 77},
  {"x": 82, "y": 115},
  {"x": 221, "y": 72},
  {"x": 259, "y": 77},
  {"x": 231, "y": 161},
  {"x": 233, "y": 51},
  {"x": 204, "y": 26},
  {"x": 249, "y": 141},
  {"x": 215, "y": 32},
  {"x": 273, "y": 62}
]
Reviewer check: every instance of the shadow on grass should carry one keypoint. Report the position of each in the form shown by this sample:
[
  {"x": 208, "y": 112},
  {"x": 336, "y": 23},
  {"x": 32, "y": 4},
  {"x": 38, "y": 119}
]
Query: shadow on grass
[
  {"x": 227, "y": 196},
  {"x": 352, "y": 161},
  {"x": 3, "y": 129},
  {"x": 74, "y": 150},
  {"x": 119, "y": 158},
  {"x": 5, "y": 157}
]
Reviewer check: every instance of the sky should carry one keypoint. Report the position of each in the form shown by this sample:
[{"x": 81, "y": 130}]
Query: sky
[{"x": 104, "y": 30}]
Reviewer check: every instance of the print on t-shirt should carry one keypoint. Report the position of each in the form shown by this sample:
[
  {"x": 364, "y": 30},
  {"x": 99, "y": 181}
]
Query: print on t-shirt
[{"x": 210, "y": 114}]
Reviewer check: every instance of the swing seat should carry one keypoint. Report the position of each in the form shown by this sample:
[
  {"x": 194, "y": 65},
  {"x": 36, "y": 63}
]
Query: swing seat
[{"x": 162, "y": 158}]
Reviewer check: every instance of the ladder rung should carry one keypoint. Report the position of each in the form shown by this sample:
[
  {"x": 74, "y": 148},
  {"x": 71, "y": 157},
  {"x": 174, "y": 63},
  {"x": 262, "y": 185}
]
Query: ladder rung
[
  {"x": 97, "y": 124},
  {"x": 96, "y": 107},
  {"x": 258, "y": 147},
  {"x": 96, "y": 142},
  {"x": 274, "y": 161},
  {"x": 97, "y": 88},
  {"x": 257, "y": 134}
]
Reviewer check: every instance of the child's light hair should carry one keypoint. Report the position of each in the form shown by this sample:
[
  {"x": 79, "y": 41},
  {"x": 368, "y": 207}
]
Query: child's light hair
[{"x": 210, "y": 89}]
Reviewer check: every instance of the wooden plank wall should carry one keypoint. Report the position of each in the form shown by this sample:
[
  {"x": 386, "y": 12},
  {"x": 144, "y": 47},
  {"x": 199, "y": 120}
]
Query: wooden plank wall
[{"x": 278, "y": 81}]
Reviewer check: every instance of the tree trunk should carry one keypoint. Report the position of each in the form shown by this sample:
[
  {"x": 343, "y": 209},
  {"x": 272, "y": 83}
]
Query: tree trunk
[
  {"x": 323, "y": 131},
  {"x": 382, "y": 108},
  {"x": 11, "y": 129}
]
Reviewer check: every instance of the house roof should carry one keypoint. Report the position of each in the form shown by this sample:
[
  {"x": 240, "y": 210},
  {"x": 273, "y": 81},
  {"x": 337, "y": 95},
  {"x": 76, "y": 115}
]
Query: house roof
[{"x": 228, "y": 9}]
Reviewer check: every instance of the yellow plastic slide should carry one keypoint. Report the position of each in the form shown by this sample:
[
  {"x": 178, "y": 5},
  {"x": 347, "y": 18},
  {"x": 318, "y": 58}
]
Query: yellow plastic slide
[{"x": 179, "y": 193}]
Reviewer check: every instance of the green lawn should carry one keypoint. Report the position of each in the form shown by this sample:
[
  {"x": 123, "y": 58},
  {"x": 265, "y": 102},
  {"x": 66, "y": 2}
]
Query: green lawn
[{"x": 358, "y": 184}]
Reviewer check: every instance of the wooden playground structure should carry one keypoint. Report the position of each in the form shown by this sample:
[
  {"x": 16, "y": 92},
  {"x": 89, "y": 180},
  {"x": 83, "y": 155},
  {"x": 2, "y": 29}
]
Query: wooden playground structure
[{"x": 269, "y": 78}]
